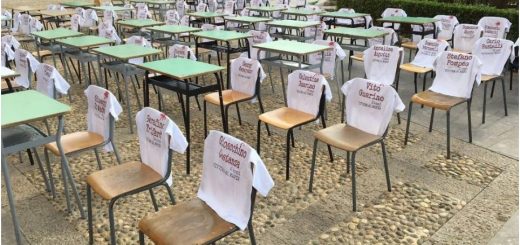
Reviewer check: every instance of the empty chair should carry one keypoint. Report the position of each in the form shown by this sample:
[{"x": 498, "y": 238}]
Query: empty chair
[
  {"x": 216, "y": 212},
  {"x": 390, "y": 12},
  {"x": 369, "y": 108},
  {"x": 453, "y": 85},
  {"x": 494, "y": 53},
  {"x": 495, "y": 27},
  {"x": 428, "y": 50},
  {"x": 465, "y": 36},
  {"x": 446, "y": 26},
  {"x": 158, "y": 136},
  {"x": 246, "y": 77},
  {"x": 307, "y": 93}
]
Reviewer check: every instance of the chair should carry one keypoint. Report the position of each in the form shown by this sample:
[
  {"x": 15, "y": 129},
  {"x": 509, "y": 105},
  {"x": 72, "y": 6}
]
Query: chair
[
  {"x": 8, "y": 45},
  {"x": 389, "y": 39},
  {"x": 452, "y": 86},
  {"x": 210, "y": 217},
  {"x": 181, "y": 7},
  {"x": 495, "y": 27},
  {"x": 348, "y": 22},
  {"x": 428, "y": 49},
  {"x": 158, "y": 136},
  {"x": 246, "y": 76},
  {"x": 50, "y": 82},
  {"x": 365, "y": 125},
  {"x": 302, "y": 108},
  {"x": 513, "y": 65},
  {"x": 388, "y": 12},
  {"x": 446, "y": 26},
  {"x": 90, "y": 20},
  {"x": 330, "y": 61},
  {"x": 465, "y": 36},
  {"x": 23, "y": 25},
  {"x": 494, "y": 53},
  {"x": 412, "y": 44},
  {"x": 26, "y": 64}
]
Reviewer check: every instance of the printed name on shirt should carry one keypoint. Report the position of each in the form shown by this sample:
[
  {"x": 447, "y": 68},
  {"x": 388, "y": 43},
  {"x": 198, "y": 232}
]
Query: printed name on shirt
[
  {"x": 460, "y": 61},
  {"x": 180, "y": 52},
  {"x": 100, "y": 105},
  {"x": 382, "y": 54},
  {"x": 306, "y": 83},
  {"x": 492, "y": 44},
  {"x": 245, "y": 69},
  {"x": 469, "y": 31},
  {"x": 372, "y": 93},
  {"x": 229, "y": 152},
  {"x": 154, "y": 128}
]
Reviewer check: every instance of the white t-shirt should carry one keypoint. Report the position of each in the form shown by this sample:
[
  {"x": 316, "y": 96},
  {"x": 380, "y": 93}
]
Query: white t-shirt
[
  {"x": 11, "y": 41},
  {"x": 389, "y": 39},
  {"x": 465, "y": 36},
  {"x": 7, "y": 52},
  {"x": 393, "y": 12},
  {"x": 142, "y": 11},
  {"x": 493, "y": 53},
  {"x": 138, "y": 40},
  {"x": 369, "y": 105},
  {"x": 447, "y": 24},
  {"x": 311, "y": 32},
  {"x": 101, "y": 105},
  {"x": 36, "y": 25},
  {"x": 456, "y": 73},
  {"x": 329, "y": 59},
  {"x": 257, "y": 37},
  {"x": 244, "y": 73},
  {"x": 423, "y": 28},
  {"x": 110, "y": 16},
  {"x": 106, "y": 30},
  {"x": 202, "y": 7},
  {"x": 90, "y": 17},
  {"x": 228, "y": 177},
  {"x": 304, "y": 90},
  {"x": 76, "y": 21},
  {"x": 24, "y": 60},
  {"x": 428, "y": 50},
  {"x": 22, "y": 24},
  {"x": 181, "y": 8},
  {"x": 381, "y": 62},
  {"x": 181, "y": 51},
  {"x": 495, "y": 27},
  {"x": 48, "y": 79},
  {"x": 172, "y": 17},
  {"x": 212, "y": 5},
  {"x": 154, "y": 130}
]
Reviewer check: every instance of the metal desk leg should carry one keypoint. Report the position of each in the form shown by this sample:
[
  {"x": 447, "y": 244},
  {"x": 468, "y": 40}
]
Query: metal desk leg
[
  {"x": 101, "y": 72},
  {"x": 128, "y": 107},
  {"x": 187, "y": 127},
  {"x": 10, "y": 197}
]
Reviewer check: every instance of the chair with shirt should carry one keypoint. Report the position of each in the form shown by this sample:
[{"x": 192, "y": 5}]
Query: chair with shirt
[
  {"x": 422, "y": 64},
  {"x": 446, "y": 27},
  {"x": 369, "y": 108},
  {"x": 513, "y": 66},
  {"x": 465, "y": 36},
  {"x": 389, "y": 39},
  {"x": 495, "y": 27},
  {"x": 411, "y": 45},
  {"x": 389, "y": 12},
  {"x": 216, "y": 212},
  {"x": 453, "y": 85},
  {"x": 246, "y": 77},
  {"x": 330, "y": 62},
  {"x": 26, "y": 65},
  {"x": 494, "y": 53},
  {"x": 307, "y": 93},
  {"x": 158, "y": 136}
]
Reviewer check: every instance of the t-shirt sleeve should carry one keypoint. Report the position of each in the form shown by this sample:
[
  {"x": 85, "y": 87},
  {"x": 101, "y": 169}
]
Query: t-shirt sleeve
[
  {"x": 178, "y": 142},
  {"x": 398, "y": 103},
  {"x": 328, "y": 92},
  {"x": 339, "y": 51},
  {"x": 33, "y": 62},
  {"x": 262, "y": 180},
  {"x": 60, "y": 84},
  {"x": 477, "y": 66},
  {"x": 262, "y": 73},
  {"x": 346, "y": 87},
  {"x": 115, "y": 107}
]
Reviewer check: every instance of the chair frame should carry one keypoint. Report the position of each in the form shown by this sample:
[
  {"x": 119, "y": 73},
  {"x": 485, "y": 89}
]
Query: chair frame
[
  {"x": 249, "y": 224},
  {"x": 112, "y": 201},
  {"x": 290, "y": 135}
]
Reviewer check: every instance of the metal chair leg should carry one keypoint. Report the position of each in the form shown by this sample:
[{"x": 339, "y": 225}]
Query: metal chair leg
[
  {"x": 415, "y": 81},
  {"x": 408, "y": 123},
  {"x": 141, "y": 238},
  {"x": 154, "y": 201},
  {"x": 288, "y": 153},
  {"x": 112, "y": 223},
  {"x": 313, "y": 164},
  {"x": 431, "y": 120},
  {"x": 448, "y": 134},
  {"x": 49, "y": 170},
  {"x": 98, "y": 159},
  {"x": 205, "y": 119},
  {"x": 170, "y": 193},
  {"x": 469, "y": 121},
  {"x": 258, "y": 137},
  {"x": 348, "y": 162},
  {"x": 484, "y": 104},
  {"x": 89, "y": 215},
  {"x": 385, "y": 163},
  {"x": 504, "y": 95},
  {"x": 238, "y": 114},
  {"x": 260, "y": 104},
  {"x": 251, "y": 233},
  {"x": 353, "y": 166},
  {"x": 118, "y": 158},
  {"x": 493, "y": 89},
  {"x": 42, "y": 171},
  {"x": 66, "y": 188}
]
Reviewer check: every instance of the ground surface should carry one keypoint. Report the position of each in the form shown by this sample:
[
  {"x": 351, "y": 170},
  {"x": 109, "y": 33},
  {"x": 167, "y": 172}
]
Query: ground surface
[{"x": 466, "y": 199}]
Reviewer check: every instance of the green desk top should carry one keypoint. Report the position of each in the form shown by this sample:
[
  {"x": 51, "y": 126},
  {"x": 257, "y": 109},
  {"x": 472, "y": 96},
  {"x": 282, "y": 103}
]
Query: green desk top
[
  {"x": 206, "y": 14},
  {"x": 180, "y": 68},
  {"x": 126, "y": 51},
  {"x": 113, "y": 8},
  {"x": 220, "y": 35},
  {"x": 342, "y": 15},
  {"x": 153, "y": 1},
  {"x": 301, "y": 12},
  {"x": 247, "y": 19},
  {"x": 77, "y": 4},
  {"x": 408, "y": 20},
  {"x": 4, "y": 18},
  {"x": 56, "y": 34},
  {"x": 293, "y": 23},
  {"x": 24, "y": 8},
  {"x": 57, "y": 13},
  {"x": 27, "y": 106},
  {"x": 85, "y": 41},
  {"x": 266, "y": 9},
  {"x": 291, "y": 47},
  {"x": 173, "y": 29},
  {"x": 354, "y": 32},
  {"x": 139, "y": 23},
  {"x": 7, "y": 73}
]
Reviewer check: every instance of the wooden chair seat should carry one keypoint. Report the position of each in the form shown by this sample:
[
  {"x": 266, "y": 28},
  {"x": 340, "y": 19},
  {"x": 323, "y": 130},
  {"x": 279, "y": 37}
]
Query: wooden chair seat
[
  {"x": 123, "y": 178},
  {"x": 21, "y": 37},
  {"x": 191, "y": 222},
  {"x": 437, "y": 100},
  {"x": 357, "y": 57},
  {"x": 76, "y": 141},
  {"x": 43, "y": 53},
  {"x": 285, "y": 117},
  {"x": 409, "y": 45},
  {"x": 228, "y": 97},
  {"x": 487, "y": 78},
  {"x": 345, "y": 137},
  {"x": 414, "y": 69}
]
